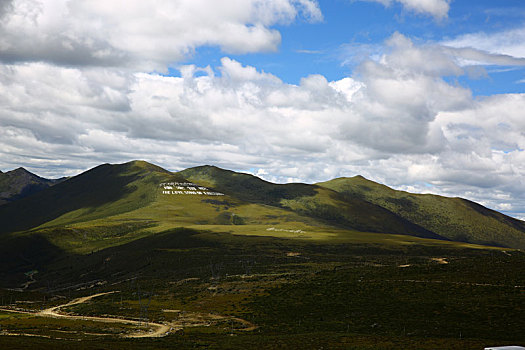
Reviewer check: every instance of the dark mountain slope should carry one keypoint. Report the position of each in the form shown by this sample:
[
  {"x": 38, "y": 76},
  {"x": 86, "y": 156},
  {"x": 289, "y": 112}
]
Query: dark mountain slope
[
  {"x": 20, "y": 183},
  {"x": 454, "y": 218}
]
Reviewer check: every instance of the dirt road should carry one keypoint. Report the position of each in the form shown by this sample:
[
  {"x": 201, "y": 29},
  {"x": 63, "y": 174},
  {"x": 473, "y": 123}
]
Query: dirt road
[
  {"x": 150, "y": 330},
  {"x": 157, "y": 329}
]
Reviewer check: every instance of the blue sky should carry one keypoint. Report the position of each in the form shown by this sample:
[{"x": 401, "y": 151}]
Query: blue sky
[
  {"x": 421, "y": 95},
  {"x": 353, "y": 29}
]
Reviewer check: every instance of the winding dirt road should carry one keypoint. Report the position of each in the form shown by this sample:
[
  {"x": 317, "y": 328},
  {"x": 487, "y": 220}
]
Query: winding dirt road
[
  {"x": 154, "y": 330},
  {"x": 158, "y": 329}
]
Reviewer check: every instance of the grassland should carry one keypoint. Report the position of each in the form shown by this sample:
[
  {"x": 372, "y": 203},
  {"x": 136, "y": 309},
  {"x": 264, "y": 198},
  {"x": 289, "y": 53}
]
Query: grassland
[
  {"x": 453, "y": 218},
  {"x": 296, "y": 293}
]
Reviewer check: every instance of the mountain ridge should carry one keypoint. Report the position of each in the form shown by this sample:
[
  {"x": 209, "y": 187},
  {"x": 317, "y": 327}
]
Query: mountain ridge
[
  {"x": 131, "y": 192},
  {"x": 452, "y": 217}
]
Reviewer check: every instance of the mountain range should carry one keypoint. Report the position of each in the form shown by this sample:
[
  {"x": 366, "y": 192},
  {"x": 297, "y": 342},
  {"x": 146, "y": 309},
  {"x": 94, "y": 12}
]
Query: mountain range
[{"x": 113, "y": 204}]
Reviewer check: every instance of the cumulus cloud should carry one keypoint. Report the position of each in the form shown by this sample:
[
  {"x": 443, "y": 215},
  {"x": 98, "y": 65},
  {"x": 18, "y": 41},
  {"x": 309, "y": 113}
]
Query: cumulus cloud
[
  {"x": 146, "y": 35},
  {"x": 403, "y": 92},
  {"x": 388, "y": 111},
  {"x": 436, "y": 8},
  {"x": 396, "y": 121}
]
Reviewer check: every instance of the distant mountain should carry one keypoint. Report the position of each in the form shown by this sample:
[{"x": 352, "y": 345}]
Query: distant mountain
[
  {"x": 20, "y": 183},
  {"x": 113, "y": 204}
]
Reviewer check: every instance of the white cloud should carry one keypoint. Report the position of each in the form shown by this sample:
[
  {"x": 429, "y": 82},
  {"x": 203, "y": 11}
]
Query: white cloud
[
  {"x": 396, "y": 121},
  {"x": 146, "y": 35},
  {"x": 71, "y": 97},
  {"x": 507, "y": 43},
  {"x": 436, "y": 8}
]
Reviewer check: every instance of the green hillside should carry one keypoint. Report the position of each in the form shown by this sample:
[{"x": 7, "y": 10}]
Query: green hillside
[
  {"x": 312, "y": 201},
  {"x": 219, "y": 259},
  {"x": 246, "y": 187},
  {"x": 454, "y": 218},
  {"x": 100, "y": 192},
  {"x": 114, "y": 204}
]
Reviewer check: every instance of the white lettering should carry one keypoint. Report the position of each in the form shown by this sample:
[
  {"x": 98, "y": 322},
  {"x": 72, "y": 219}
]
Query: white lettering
[{"x": 187, "y": 188}]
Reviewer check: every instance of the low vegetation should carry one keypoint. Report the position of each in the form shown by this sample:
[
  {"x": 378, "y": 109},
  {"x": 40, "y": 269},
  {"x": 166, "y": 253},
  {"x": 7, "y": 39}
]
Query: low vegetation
[{"x": 210, "y": 287}]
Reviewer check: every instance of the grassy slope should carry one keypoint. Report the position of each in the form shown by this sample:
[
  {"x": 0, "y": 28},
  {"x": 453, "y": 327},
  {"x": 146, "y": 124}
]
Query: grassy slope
[
  {"x": 246, "y": 187},
  {"x": 311, "y": 201},
  {"x": 100, "y": 192},
  {"x": 114, "y": 204},
  {"x": 331, "y": 295},
  {"x": 130, "y": 205},
  {"x": 66, "y": 213},
  {"x": 453, "y": 218},
  {"x": 349, "y": 211},
  {"x": 328, "y": 292}
]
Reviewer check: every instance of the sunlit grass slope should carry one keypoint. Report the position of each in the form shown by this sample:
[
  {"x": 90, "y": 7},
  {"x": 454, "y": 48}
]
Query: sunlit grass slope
[
  {"x": 115, "y": 204},
  {"x": 98, "y": 193},
  {"x": 164, "y": 212},
  {"x": 246, "y": 187},
  {"x": 454, "y": 218}
]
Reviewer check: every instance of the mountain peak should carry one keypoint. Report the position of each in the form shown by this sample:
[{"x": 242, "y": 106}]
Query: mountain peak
[
  {"x": 19, "y": 183},
  {"x": 139, "y": 163},
  {"x": 207, "y": 167},
  {"x": 20, "y": 170},
  {"x": 23, "y": 173},
  {"x": 142, "y": 165}
]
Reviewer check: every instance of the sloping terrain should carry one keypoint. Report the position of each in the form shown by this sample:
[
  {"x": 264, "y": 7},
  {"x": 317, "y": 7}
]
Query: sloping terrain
[
  {"x": 246, "y": 187},
  {"x": 114, "y": 204},
  {"x": 20, "y": 183},
  {"x": 312, "y": 201},
  {"x": 454, "y": 218},
  {"x": 100, "y": 192},
  {"x": 117, "y": 205},
  {"x": 292, "y": 293}
]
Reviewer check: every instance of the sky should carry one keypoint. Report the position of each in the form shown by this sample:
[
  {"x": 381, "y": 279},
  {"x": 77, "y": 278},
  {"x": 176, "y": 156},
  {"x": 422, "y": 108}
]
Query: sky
[{"x": 425, "y": 96}]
